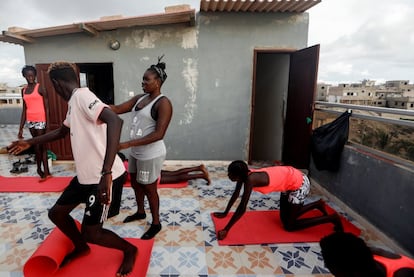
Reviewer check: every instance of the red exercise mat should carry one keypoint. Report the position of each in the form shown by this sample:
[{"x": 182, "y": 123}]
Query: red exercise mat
[
  {"x": 101, "y": 261},
  {"x": 258, "y": 227},
  {"x": 32, "y": 184},
  {"x": 54, "y": 184}
]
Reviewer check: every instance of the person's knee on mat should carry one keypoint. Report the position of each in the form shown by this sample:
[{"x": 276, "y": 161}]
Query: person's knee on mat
[{"x": 289, "y": 226}]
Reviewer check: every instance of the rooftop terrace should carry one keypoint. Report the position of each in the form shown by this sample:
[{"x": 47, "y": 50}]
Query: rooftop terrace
[{"x": 187, "y": 245}]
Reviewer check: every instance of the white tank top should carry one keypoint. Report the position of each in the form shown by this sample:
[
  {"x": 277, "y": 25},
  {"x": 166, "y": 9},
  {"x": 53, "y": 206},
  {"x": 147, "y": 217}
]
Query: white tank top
[{"x": 142, "y": 124}]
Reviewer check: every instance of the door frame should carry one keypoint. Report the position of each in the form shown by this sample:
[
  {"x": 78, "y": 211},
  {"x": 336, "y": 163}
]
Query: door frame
[
  {"x": 57, "y": 113},
  {"x": 300, "y": 158},
  {"x": 256, "y": 52}
]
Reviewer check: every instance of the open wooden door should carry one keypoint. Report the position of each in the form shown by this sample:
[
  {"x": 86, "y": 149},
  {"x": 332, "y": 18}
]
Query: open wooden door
[
  {"x": 299, "y": 107},
  {"x": 57, "y": 113}
]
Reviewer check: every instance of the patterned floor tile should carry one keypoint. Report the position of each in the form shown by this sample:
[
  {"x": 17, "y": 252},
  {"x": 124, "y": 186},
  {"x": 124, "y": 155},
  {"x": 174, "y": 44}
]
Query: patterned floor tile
[
  {"x": 185, "y": 236},
  {"x": 223, "y": 260},
  {"x": 186, "y": 245},
  {"x": 258, "y": 259},
  {"x": 189, "y": 260}
]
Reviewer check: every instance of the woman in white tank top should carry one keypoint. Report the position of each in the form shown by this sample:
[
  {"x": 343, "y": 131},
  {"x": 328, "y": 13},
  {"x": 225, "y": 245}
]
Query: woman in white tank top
[{"x": 151, "y": 114}]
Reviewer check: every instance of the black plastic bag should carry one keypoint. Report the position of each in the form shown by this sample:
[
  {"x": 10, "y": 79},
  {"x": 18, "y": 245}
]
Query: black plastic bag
[{"x": 328, "y": 141}]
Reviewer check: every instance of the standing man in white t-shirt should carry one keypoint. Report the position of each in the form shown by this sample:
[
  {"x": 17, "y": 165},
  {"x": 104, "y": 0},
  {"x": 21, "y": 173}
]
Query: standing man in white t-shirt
[{"x": 100, "y": 174}]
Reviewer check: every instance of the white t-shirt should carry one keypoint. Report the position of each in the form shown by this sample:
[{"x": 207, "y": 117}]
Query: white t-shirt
[{"x": 88, "y": 137}]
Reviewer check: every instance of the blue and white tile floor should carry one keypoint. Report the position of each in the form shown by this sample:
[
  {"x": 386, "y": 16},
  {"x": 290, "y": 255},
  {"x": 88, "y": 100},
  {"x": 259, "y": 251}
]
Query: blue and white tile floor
[{"x": 186, "y": 246}]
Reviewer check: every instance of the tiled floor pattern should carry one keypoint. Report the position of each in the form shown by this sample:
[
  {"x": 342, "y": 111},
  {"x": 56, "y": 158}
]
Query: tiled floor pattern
[{"x": 186, "y": 246}]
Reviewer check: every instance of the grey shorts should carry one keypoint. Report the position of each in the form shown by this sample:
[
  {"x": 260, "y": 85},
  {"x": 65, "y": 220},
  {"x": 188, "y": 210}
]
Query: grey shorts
[
  {"x": 148, "y": 171},
  {"x": 298, "y": 196}
]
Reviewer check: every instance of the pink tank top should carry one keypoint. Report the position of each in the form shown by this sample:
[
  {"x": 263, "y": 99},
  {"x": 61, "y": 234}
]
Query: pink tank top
[
  {"x": 35, "y": 108},
  {"x": 281, "y": 178}
]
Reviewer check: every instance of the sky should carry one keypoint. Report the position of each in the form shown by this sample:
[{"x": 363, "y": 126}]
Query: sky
[{"x": 359, "y": 39}]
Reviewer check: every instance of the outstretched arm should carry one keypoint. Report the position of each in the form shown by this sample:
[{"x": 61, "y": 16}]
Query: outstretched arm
[
  {"x": 126, "y": 106},
  {"x": 113, "y": 134},
  {"x": 233, "y": 199},
  {"x": 241, "y": 209},
  {"x": 19, "y": 146}
]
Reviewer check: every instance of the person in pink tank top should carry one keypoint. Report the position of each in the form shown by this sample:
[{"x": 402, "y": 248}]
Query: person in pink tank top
[
  {"x": 35, "y": 115},
  {"x": 294, "y": 187}
]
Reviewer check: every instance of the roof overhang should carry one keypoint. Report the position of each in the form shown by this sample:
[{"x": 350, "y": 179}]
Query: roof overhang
[
  {"x": 171, "y": 16},
  {"x": 296, "y": 6}
]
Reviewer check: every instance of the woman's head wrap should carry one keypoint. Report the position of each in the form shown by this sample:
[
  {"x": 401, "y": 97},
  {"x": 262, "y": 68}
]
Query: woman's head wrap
[{"x": 159, "y": 69}]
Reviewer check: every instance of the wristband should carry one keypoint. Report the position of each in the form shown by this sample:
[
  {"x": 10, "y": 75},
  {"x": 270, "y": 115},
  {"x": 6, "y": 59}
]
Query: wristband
[{"x": 103, "y": 173}]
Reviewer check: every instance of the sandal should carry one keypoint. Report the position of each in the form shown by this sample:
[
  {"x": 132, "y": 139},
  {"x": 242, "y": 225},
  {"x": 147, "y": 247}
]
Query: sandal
[{"x": 18, "y": 167}]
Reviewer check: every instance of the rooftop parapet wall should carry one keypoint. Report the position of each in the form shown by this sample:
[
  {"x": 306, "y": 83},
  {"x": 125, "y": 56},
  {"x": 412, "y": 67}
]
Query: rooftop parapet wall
[{"x": 377, "y": 189}]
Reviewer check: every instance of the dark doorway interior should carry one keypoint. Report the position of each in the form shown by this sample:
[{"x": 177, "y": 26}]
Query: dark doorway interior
[
  {"x": 269, "y": 105},
  {"x": 99, "y": 78},
  {"x": 284, "y": 86}
]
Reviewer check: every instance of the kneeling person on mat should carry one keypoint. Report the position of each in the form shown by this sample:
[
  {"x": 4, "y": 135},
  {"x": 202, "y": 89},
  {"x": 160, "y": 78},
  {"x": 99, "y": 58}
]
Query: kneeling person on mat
[{"x": 294, "y": 187}]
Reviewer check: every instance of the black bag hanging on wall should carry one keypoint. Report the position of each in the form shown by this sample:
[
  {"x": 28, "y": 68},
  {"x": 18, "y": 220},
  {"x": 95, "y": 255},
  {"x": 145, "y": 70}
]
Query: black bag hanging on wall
[{"x": 328, "y": 141}]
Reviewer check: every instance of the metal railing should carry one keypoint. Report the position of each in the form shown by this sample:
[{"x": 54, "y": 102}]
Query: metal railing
[
  {"x": 320, "y": 105},
  {"x": 393, "y": 140}
]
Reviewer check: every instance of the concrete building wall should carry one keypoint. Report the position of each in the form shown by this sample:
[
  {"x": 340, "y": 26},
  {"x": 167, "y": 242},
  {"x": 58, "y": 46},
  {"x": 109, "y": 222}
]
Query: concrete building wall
[
  {"x": 10, "y": 115},
  {"x": 209, "y": 67},
  {"x": 379, "y": 190}
]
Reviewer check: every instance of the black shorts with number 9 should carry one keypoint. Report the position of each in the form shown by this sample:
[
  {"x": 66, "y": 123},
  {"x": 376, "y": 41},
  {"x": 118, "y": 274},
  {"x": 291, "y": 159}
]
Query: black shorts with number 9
[{"x": 76, "y": 193}]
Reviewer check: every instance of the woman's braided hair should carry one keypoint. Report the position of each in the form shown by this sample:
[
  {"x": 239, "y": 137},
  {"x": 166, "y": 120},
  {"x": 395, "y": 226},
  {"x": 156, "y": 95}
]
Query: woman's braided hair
[{"x": 159, "y": 69}]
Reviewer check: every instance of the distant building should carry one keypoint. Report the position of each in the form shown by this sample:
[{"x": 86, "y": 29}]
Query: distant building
[
  {"x": 10, "y": 96},
  {"x": 263, "y": 44},
  {"x": 401, "y": 103},
  {"x": 322, "y": 91},
  {"x": 393, "y": 94},
  {"x": 396, "y": 84}
]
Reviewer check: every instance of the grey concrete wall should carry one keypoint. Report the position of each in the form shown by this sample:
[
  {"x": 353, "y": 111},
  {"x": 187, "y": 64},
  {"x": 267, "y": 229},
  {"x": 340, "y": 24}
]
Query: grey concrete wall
[
  {"x": 377, "y": 189},
  {"x": 209, "y": 67},
  {"x": 10, "y": 115}
]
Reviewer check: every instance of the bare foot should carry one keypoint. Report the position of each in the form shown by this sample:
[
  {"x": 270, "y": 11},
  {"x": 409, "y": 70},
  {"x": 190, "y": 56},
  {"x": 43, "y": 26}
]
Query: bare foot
[
  {"x": 206, "y": 175},
  {"x": 152, "y": 231},
  {"x": 128, "y": 262},
  {"x": 135, "y": 216},
  {"x": 45, "y": 178},
  {"x": 76, "y": 253},
  {"x": 40, "y": 173}
]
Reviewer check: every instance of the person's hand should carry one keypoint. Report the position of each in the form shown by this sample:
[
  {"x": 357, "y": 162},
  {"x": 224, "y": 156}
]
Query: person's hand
[
  {"x": 105, "y": 189},
  {"x": 20, "y": 134},
  {"x": 16, "y": 147},
  {"x": 221, "y": 234},
  {"x": 220, "y": 214}
]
